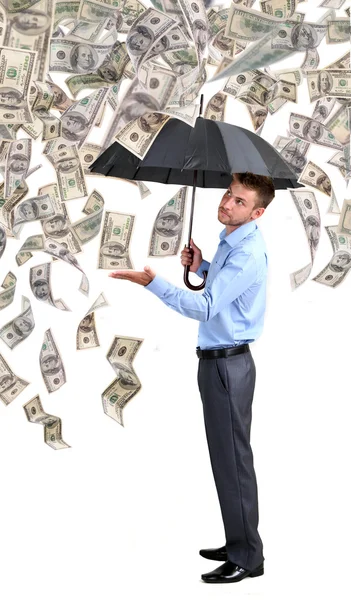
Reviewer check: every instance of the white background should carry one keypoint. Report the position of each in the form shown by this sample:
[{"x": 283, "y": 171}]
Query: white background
[{"x": 124, "y": 511}]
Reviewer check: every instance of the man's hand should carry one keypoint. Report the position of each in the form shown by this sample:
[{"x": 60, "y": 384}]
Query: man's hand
[
  {"x": 191, "y": 256},
  {"x": 140, "y": 277}
]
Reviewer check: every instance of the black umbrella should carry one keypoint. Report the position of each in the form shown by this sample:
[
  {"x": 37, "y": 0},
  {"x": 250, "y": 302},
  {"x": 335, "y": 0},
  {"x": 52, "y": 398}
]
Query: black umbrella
[{"x": 201, "y": 156}]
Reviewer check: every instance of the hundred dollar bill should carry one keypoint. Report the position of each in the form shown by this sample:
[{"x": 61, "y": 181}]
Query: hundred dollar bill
[
  {"x": 131, "y": 10},
  {"x": 32, "y": 209},
  {"x": 7, "y": 293},
  {"x": 57, "y": 250},
  {"x": 65, "y": 11},
  {"x": 196, "y": 19},
  {"x": 280, "y": 8},
  {"x": 150, "y": 92},
  {"x": 339, "y": 266},
  {"x": 30, "y": 28},
  {"x": 215, "y": 109},
  {"x": 188, "y": 113},
  {"x": 172, "y": 41},
  {"x": 59, "y": 226},
  {"x": 7, "y": 206},
  {"x": 3, "y": 239},
  {"x": 138, "y": 135},
  {"x": 293, "y": 150},
  {"x": 17, "y": 164},
  {"x": 70, "y": 176},
  {"x": 18, "y": 329},
  {"x": 338, "y": 31},
  {"x": 312, "y": 131},
  {"x": 69, "y": 56},
  {"x": 298, "y": 36},
  {"x": 314, "y": 176},
  {"x": 51, "y": 364},
  {"x": 110, "y": 71},
  {"x": 308, "y": 210},
  {"x": 60, "y": 101},
  {"x": 258, "y": 115},
  {"x": 77, "y": 121},
  {"x": 87, "y": 31},
  {"x": 96, "y": 12},
  {"x": 339, "y": 160},
  {"x": 339, "y": 124},
  {"x": 344, "y": 224},
  {"x": 323, "y": 108},
  {"x": 10, "y": 384},
  {"x": 33, "y": 242},
  {"x": 52, "y": 425},
  {"x": 115, "y": 240},
  {"x": 88, "y": 153},
  {"x": 258, "y": 54},
  {"x": 168, "y": 227},
  {"x": 146, "y": 33},
  {"x": 87, "y": 336},
  {"x": 120, "y": 356},
  {"x": 248, "y": 24},
  {"x": 40, "y": 283},
  {"x": 329, "y": 82},
  {"x": 88, "y": 227}
]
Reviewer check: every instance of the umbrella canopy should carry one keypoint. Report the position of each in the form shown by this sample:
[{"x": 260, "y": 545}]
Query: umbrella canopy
[{"x": 212, "y": 148}]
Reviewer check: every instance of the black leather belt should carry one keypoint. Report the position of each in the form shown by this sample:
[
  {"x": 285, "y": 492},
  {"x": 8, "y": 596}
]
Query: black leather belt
[{"x": 220, "y": 352}]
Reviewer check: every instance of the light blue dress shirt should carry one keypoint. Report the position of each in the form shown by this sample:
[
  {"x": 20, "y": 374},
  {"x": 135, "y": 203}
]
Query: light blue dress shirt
[{"x": 232, "y": 306}]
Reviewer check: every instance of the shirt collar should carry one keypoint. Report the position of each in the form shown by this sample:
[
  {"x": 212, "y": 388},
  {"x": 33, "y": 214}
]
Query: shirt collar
[{"x": 239, "y": 234}]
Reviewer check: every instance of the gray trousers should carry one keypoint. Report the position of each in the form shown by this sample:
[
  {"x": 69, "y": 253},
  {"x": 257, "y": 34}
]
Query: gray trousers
[{"x": 226, "y": 387}]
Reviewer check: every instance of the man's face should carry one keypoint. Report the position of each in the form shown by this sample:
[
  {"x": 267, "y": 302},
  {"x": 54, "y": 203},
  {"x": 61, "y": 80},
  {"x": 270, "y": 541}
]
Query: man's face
[
  {"x": 18, "y": 164},
  {"x": 84, "y": 57},
  {"x": 86, "y": 322},
  {"x": 151, "y": 118},
  {"x": 139, "y": 41},
  {"x": 113, "y": 251},
  {"x": 71, "y": 124},
  {"x": 238, "y": 205},
  {"x": 166, "y": 222},
  {"x": 314, "y": 129},
  {"x": 49, "y": 363},
  {"x": 8, "y": 99},
  {"x": 324, "y": 81},
  {"x": 55, "y": 226},
  {"x": 5, "y": 383},
  {"x": 22, "y": 325},
  {"x": 217, "y": 101},
  {"x": 32, "y": 21},
  {"x": 67, "y": 164},
  {"x": 303, "y": 37},
  {"x": 339, "y": 260},
  {"x": 28, "y": 212},
  {"x": 42, "y": 291}
]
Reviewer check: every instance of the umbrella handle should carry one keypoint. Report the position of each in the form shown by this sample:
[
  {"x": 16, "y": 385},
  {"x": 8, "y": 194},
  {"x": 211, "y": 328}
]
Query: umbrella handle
[{"x": 190, "y": 285}]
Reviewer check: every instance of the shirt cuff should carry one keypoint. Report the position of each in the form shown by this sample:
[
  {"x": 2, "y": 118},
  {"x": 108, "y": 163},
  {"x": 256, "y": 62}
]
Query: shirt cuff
[
  {"x": 157, "y": 286},
  {"x": 205, "y": 265}
]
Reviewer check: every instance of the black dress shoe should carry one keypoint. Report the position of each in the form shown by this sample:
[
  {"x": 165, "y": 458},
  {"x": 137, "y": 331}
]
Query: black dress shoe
[
  {"x": 215, "y": 553},
  {"x": 230, "y": 572}
]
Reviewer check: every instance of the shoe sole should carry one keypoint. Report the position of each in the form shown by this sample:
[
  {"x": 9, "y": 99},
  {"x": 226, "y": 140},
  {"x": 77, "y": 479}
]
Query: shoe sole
[{"x": 221, "y": 559}]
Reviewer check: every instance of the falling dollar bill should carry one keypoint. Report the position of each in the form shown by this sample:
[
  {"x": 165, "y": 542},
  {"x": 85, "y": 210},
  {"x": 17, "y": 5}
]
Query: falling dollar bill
[
  {"x": 339, "y": 265},
  {"x": 315, "y": 177},
  {"x": 308, "y": 210},
  {"x": 329, "y": 82},
  {"x": 115, "y": 241},
  {"x": 15, "y": 77},
  {"x": 70, "y": 176},
  {"x": 40, "y": 283},
  {"x": 17, "y": 164},
  {"x": 33, "y": 209},
  {"x": 58, "y": 226},
  {"x": 312, "y": 131},
  {"x": 168, "y": 227},
  {"x": 121, "y": 356},
  {"x": 20, "y": 328},
  {"x": 87, "y": 336},
  {"x": 52, "y": 425},
  {"x": 344, "y": 224},
  {"x": 7, "y": 293},
  {"x": 138, "y": 135},
  {"x": 10, "y": 384},
  {"x": 88, "y": 227},
  {"x": 51, "y": 364},
  {"x": 215, "y": 109}
]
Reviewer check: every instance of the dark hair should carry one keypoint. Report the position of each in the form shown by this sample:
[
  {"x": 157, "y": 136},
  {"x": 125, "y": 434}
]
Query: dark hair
[{"x": 263, "y": 186}]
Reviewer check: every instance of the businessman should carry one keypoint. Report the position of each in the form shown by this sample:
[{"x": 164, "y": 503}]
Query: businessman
[{"x": 231, "y": 313}]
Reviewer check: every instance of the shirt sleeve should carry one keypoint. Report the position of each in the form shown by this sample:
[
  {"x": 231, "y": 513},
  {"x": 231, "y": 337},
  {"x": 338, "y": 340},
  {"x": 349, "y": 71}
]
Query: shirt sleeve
[
  {"x": 205, "y": 265},
  {"x": 236, "y": 276}
]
